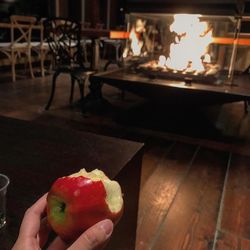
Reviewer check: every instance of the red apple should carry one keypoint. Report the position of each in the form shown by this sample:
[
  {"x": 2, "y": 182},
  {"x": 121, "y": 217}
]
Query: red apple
[{"x": 78, "y": 201}]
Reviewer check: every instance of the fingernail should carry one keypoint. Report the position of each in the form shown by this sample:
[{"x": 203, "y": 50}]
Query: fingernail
[{"x": 107, "y": 226}]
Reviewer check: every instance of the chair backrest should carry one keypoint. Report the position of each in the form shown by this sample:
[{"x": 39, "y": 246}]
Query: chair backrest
[
  {"x": 63, "y": 36},
  {"x": 21, "y": 29},
  {"x": 42, "y": 36}
]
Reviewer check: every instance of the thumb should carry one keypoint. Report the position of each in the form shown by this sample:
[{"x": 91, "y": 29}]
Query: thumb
[{"x": 96, "y": 236}]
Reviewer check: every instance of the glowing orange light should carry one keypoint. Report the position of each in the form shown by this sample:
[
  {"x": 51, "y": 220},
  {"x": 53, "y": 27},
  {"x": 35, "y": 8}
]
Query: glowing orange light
[
  {"x": 118, "y": 34},
  {"x": 225, "y": 40}
]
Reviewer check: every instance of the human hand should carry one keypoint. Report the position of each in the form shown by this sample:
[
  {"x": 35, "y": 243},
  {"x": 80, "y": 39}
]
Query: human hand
[{"x": 34, "y": 232}]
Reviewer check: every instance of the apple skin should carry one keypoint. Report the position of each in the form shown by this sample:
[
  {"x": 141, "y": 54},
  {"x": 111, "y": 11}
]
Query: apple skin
[{"x": 76, "y": 203}]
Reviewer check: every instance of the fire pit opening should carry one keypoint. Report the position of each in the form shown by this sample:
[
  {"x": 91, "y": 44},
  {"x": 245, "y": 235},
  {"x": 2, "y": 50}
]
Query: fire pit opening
[{"x": 189, "y": 47}]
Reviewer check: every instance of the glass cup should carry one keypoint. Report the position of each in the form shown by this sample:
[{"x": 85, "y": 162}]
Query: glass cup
[{"x": 4, "y": 182}]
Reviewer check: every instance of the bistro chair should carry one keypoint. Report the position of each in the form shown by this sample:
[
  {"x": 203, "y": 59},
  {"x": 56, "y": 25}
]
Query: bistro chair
[
  {"x": 20, "y": 41},
  {"x": 63, "y": 36}
]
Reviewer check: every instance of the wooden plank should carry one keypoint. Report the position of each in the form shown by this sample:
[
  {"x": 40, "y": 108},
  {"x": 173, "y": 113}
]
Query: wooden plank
[
  {"x": 16, "y": 26},
  {"x": 227, "y": 241},
  {"x": 152, "y": 156},
  {"x": 191, "y": 220},
  {"x": 235, "y": 217},
  {"x": 158, "y": 193}
]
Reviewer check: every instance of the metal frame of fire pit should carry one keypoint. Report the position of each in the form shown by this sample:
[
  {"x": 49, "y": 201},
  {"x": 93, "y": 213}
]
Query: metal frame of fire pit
[
  {"x": 217, "y": 78},
  {"x": 162, "y": 86},
  {"x": 177, "y": 92}
]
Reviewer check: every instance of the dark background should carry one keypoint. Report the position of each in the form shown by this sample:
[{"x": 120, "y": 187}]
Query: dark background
[
  {"x": 191, "y": 6},
  {"x": 96, "y": 9},
  {"x": 38, "y": 8}
]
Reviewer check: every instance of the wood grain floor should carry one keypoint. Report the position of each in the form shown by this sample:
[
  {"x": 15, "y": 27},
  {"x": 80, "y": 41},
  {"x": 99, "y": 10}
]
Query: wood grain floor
[
  {"x": 195, "y": 184},
  {"x": 191, "y": 201}
]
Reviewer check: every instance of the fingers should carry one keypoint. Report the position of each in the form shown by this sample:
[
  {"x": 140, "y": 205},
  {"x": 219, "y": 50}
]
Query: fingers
[
  {"x": 31, "y": 222},
  {"x": 44, "y": 231},
  {"x": 94, "y": 237},
  {"x": 58, "y": 244}
]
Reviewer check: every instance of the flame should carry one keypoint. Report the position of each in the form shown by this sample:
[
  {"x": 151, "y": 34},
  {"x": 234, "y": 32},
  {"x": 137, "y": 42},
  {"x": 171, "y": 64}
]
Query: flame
[
  {"x": 136, "y": 44},
  {"x": 190, "y": 49},
  {"x": 162, "y": 61},
  {"x": 135, "y": 39}
]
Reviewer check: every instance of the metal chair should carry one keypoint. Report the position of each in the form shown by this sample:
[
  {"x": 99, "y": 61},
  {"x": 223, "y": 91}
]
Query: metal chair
[{"x": 63, "y": 36}]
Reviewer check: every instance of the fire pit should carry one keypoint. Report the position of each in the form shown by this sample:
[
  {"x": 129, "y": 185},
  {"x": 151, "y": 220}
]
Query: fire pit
[
  {"x": 182, "y": 58},
  {"x": 189, "y": 47}
]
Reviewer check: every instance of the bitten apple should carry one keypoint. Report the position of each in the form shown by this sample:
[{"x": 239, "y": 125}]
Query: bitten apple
[{"x": 78, "y": 201}]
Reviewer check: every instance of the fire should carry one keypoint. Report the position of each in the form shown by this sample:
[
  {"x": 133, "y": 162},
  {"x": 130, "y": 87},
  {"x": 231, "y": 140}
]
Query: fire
[
  {"x": 136, "y": 43},
  {"x": 189, "y": 52}
]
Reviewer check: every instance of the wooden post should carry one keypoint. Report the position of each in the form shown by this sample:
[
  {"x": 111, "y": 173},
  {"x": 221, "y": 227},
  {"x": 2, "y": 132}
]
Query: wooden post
[
  {"x": 108, "y": 14},
  {"x": 95, "y": 12},
  {"x": 57, "y": 8},
  {"x": 83, "y": 11}
]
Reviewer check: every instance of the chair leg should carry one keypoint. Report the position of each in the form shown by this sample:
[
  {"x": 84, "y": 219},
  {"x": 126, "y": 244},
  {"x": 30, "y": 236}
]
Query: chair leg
[
  {"x": 85, "y": 53},
  {"x": 117, "y": 48},
  {"x": 30, "y": 65},
  {"x": 42, "y": 63},
  {"x": 81, "y": 88},
  {"x": 72, "y": 90},
  {"x": 246, "y": 105},
  {"x": 52, "y": 91},
  {"x": 104, "y": 50},
  {"x": 13, "y": 69},
  {"x": 81, "y": 84}
]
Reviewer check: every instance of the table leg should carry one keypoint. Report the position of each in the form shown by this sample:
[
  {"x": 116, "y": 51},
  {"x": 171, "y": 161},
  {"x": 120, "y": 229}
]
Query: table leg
[
  {"x": 124, "y": 235},
  {"x": 95, "y": 54},
  {"x": 94, "y": 97}
]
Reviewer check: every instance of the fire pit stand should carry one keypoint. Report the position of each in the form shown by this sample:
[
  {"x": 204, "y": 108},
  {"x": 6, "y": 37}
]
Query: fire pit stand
[{"x": 177, "y": 92}]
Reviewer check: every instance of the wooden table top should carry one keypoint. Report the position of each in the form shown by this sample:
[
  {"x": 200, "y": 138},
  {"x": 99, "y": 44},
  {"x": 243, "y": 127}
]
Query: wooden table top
[
  {"x": 9, "y": 25},
  {"x": 33, "y": 156}
]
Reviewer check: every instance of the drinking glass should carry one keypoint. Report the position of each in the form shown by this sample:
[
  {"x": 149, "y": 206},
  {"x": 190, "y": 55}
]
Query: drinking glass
[{"x": 4, "y": 182}]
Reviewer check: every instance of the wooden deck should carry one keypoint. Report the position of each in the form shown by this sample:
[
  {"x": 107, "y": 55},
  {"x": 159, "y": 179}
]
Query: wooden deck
[
  {"x": 195, "y": 188},
  {"x": 194, "y": 198}
]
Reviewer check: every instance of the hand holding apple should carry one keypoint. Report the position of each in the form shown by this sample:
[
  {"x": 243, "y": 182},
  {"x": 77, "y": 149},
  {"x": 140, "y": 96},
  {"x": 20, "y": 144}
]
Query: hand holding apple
[
  {"x": 34, "y": 231},
  {"x": 78, "y": 201}
]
